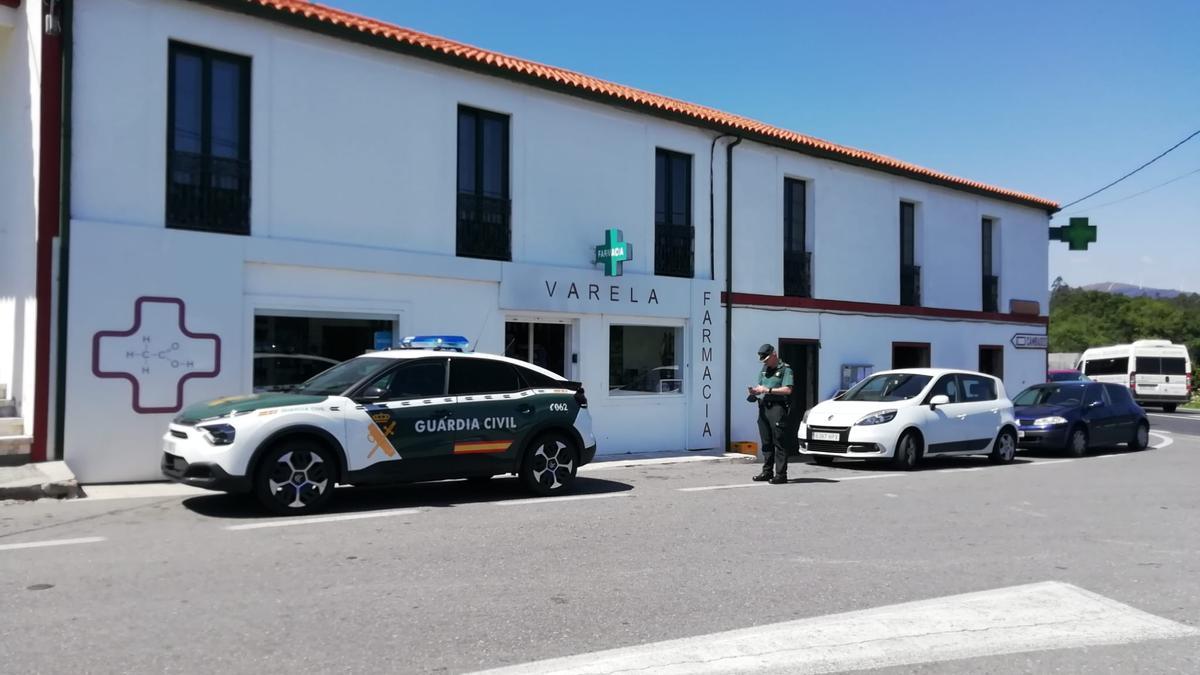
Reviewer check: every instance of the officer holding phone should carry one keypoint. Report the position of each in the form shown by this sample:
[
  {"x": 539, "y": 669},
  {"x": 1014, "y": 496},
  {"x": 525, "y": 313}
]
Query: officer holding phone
[{"x": 773, "y": 394}]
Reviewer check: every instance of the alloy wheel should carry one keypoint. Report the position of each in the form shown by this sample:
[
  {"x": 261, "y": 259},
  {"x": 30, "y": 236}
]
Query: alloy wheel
[
  {"x": 298, "y": 479},
  {"x": 552, "y": 465}
]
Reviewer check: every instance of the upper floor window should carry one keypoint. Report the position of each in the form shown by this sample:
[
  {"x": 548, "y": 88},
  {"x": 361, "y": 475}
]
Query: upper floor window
[
  {"x": 797, "y": 260},
  {"x": 910, "y": 273},
  {"x": 991, "y": 281},
  {"x": 208, "y": 140},
  {"x": 484, "y": 228},
  {"x": 674, "y": 236}
]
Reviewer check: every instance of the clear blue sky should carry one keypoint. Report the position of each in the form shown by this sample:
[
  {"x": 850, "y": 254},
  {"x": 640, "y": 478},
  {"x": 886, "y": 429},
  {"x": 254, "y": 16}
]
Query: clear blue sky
[{"x": 1053, "y": 98}]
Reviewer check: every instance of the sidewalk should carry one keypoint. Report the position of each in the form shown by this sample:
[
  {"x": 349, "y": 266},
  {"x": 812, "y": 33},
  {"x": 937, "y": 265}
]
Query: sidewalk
[{"x": 37, "y": 481}]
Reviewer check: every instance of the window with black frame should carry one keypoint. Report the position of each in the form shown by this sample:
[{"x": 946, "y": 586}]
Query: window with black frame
[
  {"x": 797, "y": 260},
  {"x": 991, "y": 281},
  {"x": 910, "y": 273},
  {"x": 208, "y": 140},
  {"x": 484, "y": 227},
  {"x": 674, "y": 236}
]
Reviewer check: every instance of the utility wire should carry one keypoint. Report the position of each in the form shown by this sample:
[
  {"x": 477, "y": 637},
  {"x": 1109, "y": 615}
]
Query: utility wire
[
  {"x": 1160, "y": 156},
  {"x": 1136, "y": 194}
]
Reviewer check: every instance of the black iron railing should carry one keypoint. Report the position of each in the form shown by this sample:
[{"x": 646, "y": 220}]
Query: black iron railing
[
  {"x": 910, "y": 285},
  {"x": 484, "y": 227},
  {"x": 674, "y": 250},
  {"x": 797, "y": 274},
  {"x": 208, "y": 193},
  {"x": 991, "y": 293}
]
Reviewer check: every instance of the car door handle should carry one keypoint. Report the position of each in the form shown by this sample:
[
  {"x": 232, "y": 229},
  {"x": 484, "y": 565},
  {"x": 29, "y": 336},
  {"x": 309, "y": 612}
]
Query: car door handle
[
  {"x": 961, "y": 417},
  {"x": 995, "y": 410},
  {"x": 525, "y": 409}
]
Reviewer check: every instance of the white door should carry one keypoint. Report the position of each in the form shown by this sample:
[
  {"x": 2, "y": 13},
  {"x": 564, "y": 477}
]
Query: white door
[
  {"x": 982, "y": 408},
  {"x": 945, "y": 427}
]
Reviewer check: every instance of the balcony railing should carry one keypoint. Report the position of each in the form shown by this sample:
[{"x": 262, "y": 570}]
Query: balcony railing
[
  {"x": 910, "y": 285},
  {"x": 991, "y": 293},
  {"x": 674, "y": 250},
  {"x": 208, "y": 193},
  {"x": 484, "y": 227},
  {"x": 797, "y": 274}
]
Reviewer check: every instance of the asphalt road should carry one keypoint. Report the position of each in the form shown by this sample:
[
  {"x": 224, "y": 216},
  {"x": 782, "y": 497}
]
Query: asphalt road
[{"x": 447, "y": 578}]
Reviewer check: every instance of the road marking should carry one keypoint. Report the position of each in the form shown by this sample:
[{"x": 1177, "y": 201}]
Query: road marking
[
  {"x": 51, "y": 542},
  {"x": 552, "y": 500},
  {"x": 1049, "y": 615},
  {"x": 731, "y": 486},
  {"x": 1172, "y": 416},
  {"x": 1167, "y": 440},
  {"x": 289, "y": 522},
  {"x": 1048, "y": 462}
]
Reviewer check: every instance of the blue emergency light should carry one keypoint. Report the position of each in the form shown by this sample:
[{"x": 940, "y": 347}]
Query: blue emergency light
[{"x": 435, "y": 342}]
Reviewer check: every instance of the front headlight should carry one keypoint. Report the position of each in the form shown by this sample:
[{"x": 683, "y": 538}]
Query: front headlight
[
  {"x": 1049, "y": 421},
  {"x": 804, "y": 420},
  {"x": 218, "y": 434},
  {"x": 878, "y": 417}
]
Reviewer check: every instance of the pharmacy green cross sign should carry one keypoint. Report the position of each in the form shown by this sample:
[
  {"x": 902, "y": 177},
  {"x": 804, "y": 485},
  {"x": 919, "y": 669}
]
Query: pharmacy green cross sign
[
  {"x": 613, "y": 253},
  {"x": 1078, "y": 234}
]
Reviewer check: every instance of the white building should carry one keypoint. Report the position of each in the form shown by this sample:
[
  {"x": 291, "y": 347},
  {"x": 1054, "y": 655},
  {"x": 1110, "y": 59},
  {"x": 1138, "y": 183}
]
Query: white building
[{"x": 248, "y": 177}]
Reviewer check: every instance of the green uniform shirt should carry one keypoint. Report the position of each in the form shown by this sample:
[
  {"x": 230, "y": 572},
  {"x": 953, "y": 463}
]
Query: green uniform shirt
[{"x": 779, "y": 376}]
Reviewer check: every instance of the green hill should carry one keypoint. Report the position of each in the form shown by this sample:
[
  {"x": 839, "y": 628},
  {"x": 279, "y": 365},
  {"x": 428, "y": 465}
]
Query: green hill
[{"x": 1080, "y": 318}]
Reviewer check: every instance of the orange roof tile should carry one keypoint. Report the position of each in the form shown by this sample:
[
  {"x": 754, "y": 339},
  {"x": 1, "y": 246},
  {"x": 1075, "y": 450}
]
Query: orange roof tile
[{"x": 345, "y": 24}]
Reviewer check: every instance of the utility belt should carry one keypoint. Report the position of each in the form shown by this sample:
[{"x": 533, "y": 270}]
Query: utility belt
[{"x": 771, "y": 401}]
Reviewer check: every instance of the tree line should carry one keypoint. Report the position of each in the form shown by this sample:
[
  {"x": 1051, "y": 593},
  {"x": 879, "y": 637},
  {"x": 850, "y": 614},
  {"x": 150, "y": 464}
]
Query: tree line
[{"x": 1081, "y": 318}]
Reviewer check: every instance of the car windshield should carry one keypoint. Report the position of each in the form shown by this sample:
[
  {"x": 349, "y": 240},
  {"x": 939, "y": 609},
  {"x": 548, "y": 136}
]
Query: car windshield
[
  {"x": 341, "y": 377},
  {"x": 888, "y": 387},
  {"x": 1065, "y": 395}
]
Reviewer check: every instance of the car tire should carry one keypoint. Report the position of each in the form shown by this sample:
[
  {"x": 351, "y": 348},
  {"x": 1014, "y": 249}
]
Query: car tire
[
  {"x": 907, "y": 453},
  {"x": 1004, "y": 449},
  {"x": 295, "y": 477},
  {"x": 1169, "y": 407},
  {"x": 823, "y": 460},
  {"x": 550, "y": 464},
  {"x": 1141, "y": 437},
  {"x": 1077, "y": 442}
]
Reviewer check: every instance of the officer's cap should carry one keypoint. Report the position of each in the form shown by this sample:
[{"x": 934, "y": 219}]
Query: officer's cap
[{"x": 765, "y": 351}]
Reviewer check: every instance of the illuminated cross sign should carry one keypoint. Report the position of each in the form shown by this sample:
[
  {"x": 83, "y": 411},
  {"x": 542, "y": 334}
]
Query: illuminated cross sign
[
  {"x": 1078, "y": 234},
  {"x": 613, "y": 253}
]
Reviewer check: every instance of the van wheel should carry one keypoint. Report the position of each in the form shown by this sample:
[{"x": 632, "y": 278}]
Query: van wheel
[
  {"x": 1141, "y": 437},
  {"x": 1077, "y": 442},
  {"x": 1170, "y": 407},
  {"x": 1005, "y": 448},
  {"x": 908, "y": 452},
  {"x": 550, "y": 464},
  {"x": 295, "y": 477}
]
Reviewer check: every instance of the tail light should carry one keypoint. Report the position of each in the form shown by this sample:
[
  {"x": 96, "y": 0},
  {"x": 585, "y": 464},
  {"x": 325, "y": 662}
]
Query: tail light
[
  {"x": 580, "y": 395},
  {"x": 1133, "y": 382}
]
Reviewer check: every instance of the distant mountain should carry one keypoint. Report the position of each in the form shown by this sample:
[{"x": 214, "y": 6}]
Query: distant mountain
[{"x": 1131, "y": 291}]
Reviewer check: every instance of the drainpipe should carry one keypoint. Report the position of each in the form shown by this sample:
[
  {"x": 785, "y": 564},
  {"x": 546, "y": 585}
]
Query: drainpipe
[
  {"x": 64, "y": 225},
  {"x": 729, "y": 290},
  {"x": 49, "y": 184}
]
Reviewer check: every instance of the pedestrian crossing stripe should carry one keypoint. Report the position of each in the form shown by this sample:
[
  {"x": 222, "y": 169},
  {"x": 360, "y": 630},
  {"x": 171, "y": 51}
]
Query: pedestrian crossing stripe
[{"x": 481, "y": 447}]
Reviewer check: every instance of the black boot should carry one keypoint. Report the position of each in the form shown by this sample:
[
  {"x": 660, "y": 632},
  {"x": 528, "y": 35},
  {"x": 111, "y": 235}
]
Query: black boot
[
  {"x": 764, "y": 476},
  {"x": 779, "y": 479}
]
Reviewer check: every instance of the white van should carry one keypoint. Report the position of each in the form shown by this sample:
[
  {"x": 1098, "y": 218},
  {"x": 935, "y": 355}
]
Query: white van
[{"x": 1156, "y": 371}]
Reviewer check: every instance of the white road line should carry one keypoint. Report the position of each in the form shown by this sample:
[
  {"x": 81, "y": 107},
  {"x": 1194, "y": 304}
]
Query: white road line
[
  {"x": 1048, "y": 462},
  {"x": 1194, "y": 418},
  {"x": 1035, "y": 617},
  {"x": 51, "y": 542},
  {"x": 289, "y": 522},
  {"x": 552, "y": 500},
  {"x": 731, "y": 486},
  {"x": 1167, "y": 440}
]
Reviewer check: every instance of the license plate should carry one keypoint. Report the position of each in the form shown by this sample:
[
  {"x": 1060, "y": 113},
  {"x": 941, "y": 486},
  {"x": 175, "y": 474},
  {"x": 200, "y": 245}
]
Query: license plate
[
  {"x": 1020, "y": 433},
  {"x": 825, "y": 436}
]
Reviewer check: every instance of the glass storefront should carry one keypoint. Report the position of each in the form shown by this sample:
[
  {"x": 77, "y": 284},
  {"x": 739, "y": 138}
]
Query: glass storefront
[
  {"x": 642, "y": 360},
  {"x": 290, "y": 349}
]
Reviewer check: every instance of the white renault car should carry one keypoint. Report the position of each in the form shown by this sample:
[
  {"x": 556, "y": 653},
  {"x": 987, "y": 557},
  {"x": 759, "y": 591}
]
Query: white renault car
[{"x": 904, "y": 415}]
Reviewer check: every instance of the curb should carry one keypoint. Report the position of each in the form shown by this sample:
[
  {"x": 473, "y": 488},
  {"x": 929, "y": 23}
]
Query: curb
[{"x": 45, "y": 480}]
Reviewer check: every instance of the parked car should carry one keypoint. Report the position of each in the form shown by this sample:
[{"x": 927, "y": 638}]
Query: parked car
[
  {"x": 1066, "y": 376},
  {"x": 660, "y": 380},
  {"x": 387, "y": 417},
  {"x": 281, "y": 372},
  {"x": 1157, "y": 372},
  {"x": 1076, "y": 416},
  {"x": 904, "y": 415}
]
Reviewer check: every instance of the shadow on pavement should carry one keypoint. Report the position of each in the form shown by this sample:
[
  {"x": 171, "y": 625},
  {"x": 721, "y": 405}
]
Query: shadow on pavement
[
  {"x": 1052, "y": 453},
  {"x": 443, "y": 494},
  {"x": 926, "y": 463}
]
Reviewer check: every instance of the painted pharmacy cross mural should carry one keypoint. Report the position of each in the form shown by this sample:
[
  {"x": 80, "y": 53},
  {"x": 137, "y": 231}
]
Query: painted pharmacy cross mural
[{"x": 157, "y": 354}]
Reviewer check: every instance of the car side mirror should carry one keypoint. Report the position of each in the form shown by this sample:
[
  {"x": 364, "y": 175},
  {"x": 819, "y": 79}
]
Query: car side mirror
[
  {"x": 940, "y": 399},
  {"x": 371, "y": 394}
]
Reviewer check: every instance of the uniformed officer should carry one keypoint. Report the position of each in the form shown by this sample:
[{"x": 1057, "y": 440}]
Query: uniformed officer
[{"x": 774, "y": 391}]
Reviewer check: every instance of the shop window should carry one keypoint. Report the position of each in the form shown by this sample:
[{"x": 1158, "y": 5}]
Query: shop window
[
  {"x": 642, "y": 360},
  {"x": 290, "y": 349},
  {"x": 797, "y": 260},
  {"x": 674, "y": 236},
  {"x": 484, "y": 227},
  {"x": 208, "y": 140}
]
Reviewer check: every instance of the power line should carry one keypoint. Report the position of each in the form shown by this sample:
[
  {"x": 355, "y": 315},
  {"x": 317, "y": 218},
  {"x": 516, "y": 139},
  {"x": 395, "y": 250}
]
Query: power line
[
  {"x": 1136, "y": 194},
  {"x": 1160, "y": 156}
]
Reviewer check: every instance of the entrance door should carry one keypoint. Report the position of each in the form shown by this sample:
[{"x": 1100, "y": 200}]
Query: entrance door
[
  {"x": 910, "y": 355},
  {"x": 542, "y": 344},
  {"x": 801, "y": 355}
]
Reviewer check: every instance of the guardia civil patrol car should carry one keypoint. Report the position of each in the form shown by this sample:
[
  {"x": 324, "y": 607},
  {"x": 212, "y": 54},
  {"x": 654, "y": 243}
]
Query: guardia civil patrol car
[{"x": 430, "y": 410}]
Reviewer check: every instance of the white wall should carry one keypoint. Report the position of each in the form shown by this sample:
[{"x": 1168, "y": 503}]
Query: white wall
[{"x": 20, "y": 78}]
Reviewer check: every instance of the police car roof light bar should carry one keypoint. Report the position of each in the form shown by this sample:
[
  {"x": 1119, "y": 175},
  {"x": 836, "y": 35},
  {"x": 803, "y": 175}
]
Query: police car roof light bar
[{"x": 435, "y": 342}]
